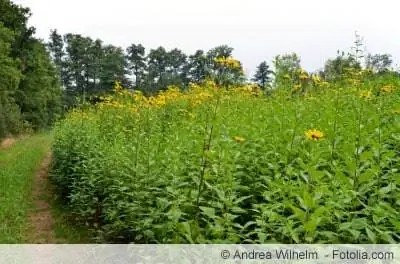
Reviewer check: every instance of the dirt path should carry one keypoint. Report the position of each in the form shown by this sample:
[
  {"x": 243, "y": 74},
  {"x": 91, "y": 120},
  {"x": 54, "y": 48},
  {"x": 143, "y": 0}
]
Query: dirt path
[
  {"x": 7, "y": 143},
  {"x": 41, "y": 222}
]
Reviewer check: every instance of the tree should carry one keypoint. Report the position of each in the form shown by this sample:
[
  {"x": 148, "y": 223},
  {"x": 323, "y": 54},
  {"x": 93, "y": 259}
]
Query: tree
[
  {"x": 96, "y": 53},
  {"x": 378, "y": 62},
  {"x": 228, "y": 71},
  {"x": 77, "y": 63},
  {"x": 222, "y": 51},
  {"x": 286, "y": 66},
  {"x": 223, "y": 68},
  {"x": 137, "y": 63},
  {"x": 357, "y": 51},
  {"x": 113, "y": 68},
  {"x": 335, "y": 68},
  {"x": 56, "y": 48},
  {"x": 32, "y": 90},
  {"x": 262, "y": 75},
  {"x": 39, "y": 95},
  {"x": 196, "y": 68},
  {"x": 176, "y": 64},
  {"x": 10, "y": 116},
  {"x": 15, "y": 18},
  {"x": 157, "y": 66}
]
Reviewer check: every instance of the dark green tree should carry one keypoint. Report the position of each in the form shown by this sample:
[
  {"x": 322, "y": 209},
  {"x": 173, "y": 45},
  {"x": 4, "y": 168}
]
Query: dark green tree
[
  {"x": 10, "y": 117},
  {"x": 76, "y": 64},
  {"x": 219, "y": 52},
  {"x": 113, "y": 68},
  {"x": 15, "y": 18},
  {"x": 96, "y": 53},
  {"x": 157, "y": 66},
  {"x": 263, "y": 75},
  {"x": 176, "y": 65},
  {"x": 39, "y": 95},
  {"x": 379, "y": 62},
  {"x": 56, "y": 48},
  {"x": 136, "y": 60},
  {"x": 34, "y": 88},
  {"x": 196, "y": 67}
]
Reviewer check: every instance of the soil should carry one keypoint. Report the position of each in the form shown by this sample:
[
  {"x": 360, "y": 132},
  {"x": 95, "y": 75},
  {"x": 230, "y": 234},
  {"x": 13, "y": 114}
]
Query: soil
[
  {"x": 41, "y": 222},
  {"x": 7, "y": 143}
]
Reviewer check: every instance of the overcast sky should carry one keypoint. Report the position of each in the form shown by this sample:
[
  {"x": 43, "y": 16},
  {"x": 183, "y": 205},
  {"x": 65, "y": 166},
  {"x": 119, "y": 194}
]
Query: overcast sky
[{"x": 256, "y": 29}]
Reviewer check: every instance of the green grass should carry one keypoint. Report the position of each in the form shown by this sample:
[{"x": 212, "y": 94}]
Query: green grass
[
  {"x": 67, "y": 231},
  {"x": 18, "y": 165}
]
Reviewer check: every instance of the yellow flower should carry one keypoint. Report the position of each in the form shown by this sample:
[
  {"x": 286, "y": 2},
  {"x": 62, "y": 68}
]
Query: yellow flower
[
  {"x": 314, "y": 134},
  {"x": 238, "y": 139},
  {"x": 303, "y": 76},
  {"x": 316, "y": 79},
  {"x": 296, "y": 87},
  {"x": 228, "y": 62},
  {"x": 117, "y": 87},
  {"x": 366, "y": 94},
  {"x": 387, "y": 89}
]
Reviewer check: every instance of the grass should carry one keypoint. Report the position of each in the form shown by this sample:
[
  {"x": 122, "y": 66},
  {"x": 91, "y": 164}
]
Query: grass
[
  {"x": 18, "y": 165},
  {"x": 66, "y": 230}
]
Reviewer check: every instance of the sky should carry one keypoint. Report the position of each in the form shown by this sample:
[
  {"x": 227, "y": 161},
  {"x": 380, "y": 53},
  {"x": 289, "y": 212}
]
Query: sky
[{"x": 258, "y": 30}]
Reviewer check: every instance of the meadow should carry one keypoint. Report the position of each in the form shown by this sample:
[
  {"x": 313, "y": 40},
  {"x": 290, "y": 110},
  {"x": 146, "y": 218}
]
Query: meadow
[{"x": 314, "y": 162}]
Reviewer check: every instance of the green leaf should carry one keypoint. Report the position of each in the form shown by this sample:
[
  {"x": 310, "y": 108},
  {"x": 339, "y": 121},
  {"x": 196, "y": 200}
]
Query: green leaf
[
  {"x": 238, "y": 210},
  {"x": 210, "y": 212},
  {"x": 311, "y": 225},
  {"x": 354, "y": 233},
  {"x": 371, "y": 235},
  {"x": 300, "y": 214}
]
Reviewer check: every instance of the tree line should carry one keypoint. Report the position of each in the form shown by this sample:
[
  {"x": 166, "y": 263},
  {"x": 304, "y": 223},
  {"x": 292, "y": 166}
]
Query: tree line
[{"x": 90, "y": 66}]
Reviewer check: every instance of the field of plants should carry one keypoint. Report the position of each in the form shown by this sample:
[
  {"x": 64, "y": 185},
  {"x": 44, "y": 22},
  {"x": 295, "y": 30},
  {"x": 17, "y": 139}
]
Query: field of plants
[{"x": 314, "y": 162}]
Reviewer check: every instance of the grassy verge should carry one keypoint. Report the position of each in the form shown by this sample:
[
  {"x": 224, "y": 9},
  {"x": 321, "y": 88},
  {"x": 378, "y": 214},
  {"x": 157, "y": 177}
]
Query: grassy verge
[
  {"x": 18, "y": 166},
  {"x": 17, "y": 169},
  {"x": 65, "y": 229}
]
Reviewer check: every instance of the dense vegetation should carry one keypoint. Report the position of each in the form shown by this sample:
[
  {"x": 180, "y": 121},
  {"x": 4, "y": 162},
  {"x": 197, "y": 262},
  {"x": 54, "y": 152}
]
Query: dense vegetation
[
  {"x": 30, "y": 93},
  {"x": 317, "y": 162}
]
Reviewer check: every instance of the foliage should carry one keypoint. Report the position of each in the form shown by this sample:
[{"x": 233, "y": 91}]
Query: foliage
[
  {"x": 378, "y": 62},
  {"x": 10, "y": 116},
  {"x": 285, "y": 67},
  {"x": 137, "y": 63},
  {"x": 212, "y": 165},
  {"x": 336, "y": 69},
  {"x": 263, "y": 75},
  {"x": 29, "y": 88}
]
